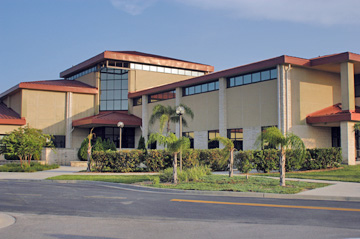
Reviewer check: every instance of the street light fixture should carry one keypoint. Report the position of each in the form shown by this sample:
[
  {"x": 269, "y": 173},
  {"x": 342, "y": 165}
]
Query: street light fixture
[
  {"x": 120, "y": 125},
  {"x": 180, "y": 111}
]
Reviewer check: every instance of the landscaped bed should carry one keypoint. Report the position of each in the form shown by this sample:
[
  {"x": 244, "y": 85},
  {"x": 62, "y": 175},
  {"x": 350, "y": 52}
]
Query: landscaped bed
[
  {"x": 345, "y": 174},
  {"x": 34, "y": 167},
  {"x": 206, "y": 183}
]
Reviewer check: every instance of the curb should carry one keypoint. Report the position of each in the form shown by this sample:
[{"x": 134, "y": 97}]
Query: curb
[
  {"x": 214, "y": 193},
  {"x": 6, "y": 220}
]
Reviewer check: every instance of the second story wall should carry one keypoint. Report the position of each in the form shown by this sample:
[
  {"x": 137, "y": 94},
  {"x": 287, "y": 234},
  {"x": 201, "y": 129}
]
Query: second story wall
[{"x": 45, "y": 110}]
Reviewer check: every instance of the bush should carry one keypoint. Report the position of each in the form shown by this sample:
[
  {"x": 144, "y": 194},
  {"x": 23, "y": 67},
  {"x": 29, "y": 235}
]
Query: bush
[
  {"x": 244, "y": 161},
  {"x": 266, "y": 160},
  {"x": 187, "y": 175},
  {"x": 321, "y": 158},
  {"x": 141, "y": 144},
  {"x": 114, "y": 161},
  {"x": 293, "y": 161},
  {"x": 33, "y": 167},
  {"x": 190, "y": 158},
  {"x": 213, "y": 158},
  {"x": 82, "y": 153},
  {"x": 157, "y": 160}
]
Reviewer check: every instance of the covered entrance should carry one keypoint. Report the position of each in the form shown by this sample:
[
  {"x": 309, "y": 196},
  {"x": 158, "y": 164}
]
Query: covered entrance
[{"x": 105, "y": 126}]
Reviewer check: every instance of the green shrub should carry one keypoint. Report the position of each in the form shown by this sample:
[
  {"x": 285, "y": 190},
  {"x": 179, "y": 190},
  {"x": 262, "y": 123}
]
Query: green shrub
[
  {"x": 33, "y": 167},
  {"x": 82, "y": 153},
  {"x": 214, "y": 159},
  {"x": 115, "y": 161},
  {"x": 98, "y": 146},
  {"x": 190, "y": 158},
  {"x": 244, "y": 161},
  {"x": 266, "y": 160},
  {"x": 293, "y": 161},
  {"x": 109, "y": 145},
  {"x": 141, "y": 144},
  {"x": 321, "y": 158},
  {"x": 157, "y": 160},
  {"x": 186, "y": 175}
]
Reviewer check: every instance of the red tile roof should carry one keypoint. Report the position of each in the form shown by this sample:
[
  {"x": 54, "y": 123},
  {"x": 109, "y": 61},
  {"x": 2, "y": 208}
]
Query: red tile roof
[
  {"x": 54, "y": 85},
  {"x": 333, "y": 113},
  {"x": 9, "y": 116},
  {"x": 137, "y": 57},
  {"x": 108, "y": 118}
]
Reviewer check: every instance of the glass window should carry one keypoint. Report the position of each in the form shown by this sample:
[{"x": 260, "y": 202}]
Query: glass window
[
  {"x": 181, "y": 72},
  {"x": 239, "y": 80},
  {"x": 273, "y": 74},
  {"x": 212, "y": 134},
  {"x": 160, "y": 69},
  {"x": 153, "y": 68},
  {"x": 190, "y": 135},
  {"x": 109, "y": 105},
  {"x": 146, "y": 67},
  {"x": 188, "y": 73},
  {"x": 137, "y": 101},
  {"x": 191, "y": 90},
  {"x": 167, "y": 70},
  {"x": 247, "y": 79},
  {"x": 237, "y": 137},
  {"x": 204, "y": 87},
  {"x": 265, "y": 75},
  {"x": 110, "y": 84},
  {"x": 197, "y": 89},
  {"x": 256, "y": 77}
]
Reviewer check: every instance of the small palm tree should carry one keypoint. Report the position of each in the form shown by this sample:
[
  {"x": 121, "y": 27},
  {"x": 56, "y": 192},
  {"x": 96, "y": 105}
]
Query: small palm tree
[
  {"x": 173, "y": 144},
  {"x": 90, "y": 137},
  {"x": 229, "y": 149},
  {"x": 273, "y": 136},
  {"x": 167, "y": 114}
]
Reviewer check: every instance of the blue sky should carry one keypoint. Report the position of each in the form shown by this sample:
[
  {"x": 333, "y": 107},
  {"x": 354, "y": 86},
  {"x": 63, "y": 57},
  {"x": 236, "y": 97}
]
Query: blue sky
[{"x": 41, "y": 38}]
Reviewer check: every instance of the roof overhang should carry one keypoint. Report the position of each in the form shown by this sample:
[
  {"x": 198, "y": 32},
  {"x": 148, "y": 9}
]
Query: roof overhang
[
  {"x": 136, "y": 57},
  {"x": 333, "y": 114},
  {"x": 108, "y": 118},
  {"x": 19, "y": 122}
]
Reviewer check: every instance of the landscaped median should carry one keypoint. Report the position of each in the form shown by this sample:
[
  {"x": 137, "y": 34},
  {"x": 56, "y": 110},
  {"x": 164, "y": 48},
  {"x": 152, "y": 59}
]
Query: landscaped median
[
  {"x": 205, "y": 183},
  {"x": 345, "y": 174}
]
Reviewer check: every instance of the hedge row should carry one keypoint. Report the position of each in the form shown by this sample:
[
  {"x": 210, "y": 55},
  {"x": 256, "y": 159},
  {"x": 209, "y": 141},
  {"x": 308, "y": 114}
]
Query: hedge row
[
  {"x": 155, "y": 160},
  {"x": 268, "y": 160},
  {"x": 262, "y": 160}
]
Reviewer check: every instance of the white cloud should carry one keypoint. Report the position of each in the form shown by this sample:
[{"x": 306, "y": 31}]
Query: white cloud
[
  {"x": 133, "y": 7},
  {"x": 323, "y": 12}
]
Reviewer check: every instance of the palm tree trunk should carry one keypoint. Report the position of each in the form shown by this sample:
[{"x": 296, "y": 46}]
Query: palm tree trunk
[
  {"x": 231, "y": 164},
  {"x": 282, "y": 167},
  {"x": 175, "y": 179},
  {"x": 88, "y": 159}
]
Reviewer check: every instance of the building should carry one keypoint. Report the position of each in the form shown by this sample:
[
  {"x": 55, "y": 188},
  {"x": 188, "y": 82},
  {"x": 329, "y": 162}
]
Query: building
[{"x": 314, "y": 98}]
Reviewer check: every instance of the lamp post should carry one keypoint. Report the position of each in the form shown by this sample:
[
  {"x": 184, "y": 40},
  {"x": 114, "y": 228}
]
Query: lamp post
[
  {"x": 180, "y": 111},
  {"x": 120, "y": 125}
]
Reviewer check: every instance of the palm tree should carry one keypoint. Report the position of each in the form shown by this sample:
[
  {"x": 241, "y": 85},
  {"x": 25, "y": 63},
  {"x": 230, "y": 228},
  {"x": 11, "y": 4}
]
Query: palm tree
[
  {"x": 229, "y": 152},
  {"x": 167, "y": 114},
  {"x": 174, "y": 145},
  {"x": 90, "y": 137},
  {"x": 273, "y": 136}
]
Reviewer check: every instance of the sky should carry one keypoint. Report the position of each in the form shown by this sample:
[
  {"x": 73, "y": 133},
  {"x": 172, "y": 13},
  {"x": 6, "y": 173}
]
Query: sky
[{"x": 41, "y": 38}]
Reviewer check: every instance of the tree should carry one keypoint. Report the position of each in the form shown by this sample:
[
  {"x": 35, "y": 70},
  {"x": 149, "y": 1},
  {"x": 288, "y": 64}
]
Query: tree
[
  {"x": 167, "y": 114},
  {"x": 89, "y": 137},
  {"x": 26, "y": 143},
  {"x": 273, "y": 136},
  {"x": 173, "y": 144},
  {"x": 228, "y": 150}
]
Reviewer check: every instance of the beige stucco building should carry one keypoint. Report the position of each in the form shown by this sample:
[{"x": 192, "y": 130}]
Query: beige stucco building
[{"x": 314, "y": 98}]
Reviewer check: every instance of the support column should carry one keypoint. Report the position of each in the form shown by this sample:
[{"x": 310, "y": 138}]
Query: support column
[
  {"x": 178, "y": 96},
  {"x": 348, "y": 142},
  {"x": 347, "y": 86},
  {"x": 68, "y": 134},
  {"x": 222, "y": 109},
  {"x": 144, "y": 115},
  {"x": 284, "y": 98}
]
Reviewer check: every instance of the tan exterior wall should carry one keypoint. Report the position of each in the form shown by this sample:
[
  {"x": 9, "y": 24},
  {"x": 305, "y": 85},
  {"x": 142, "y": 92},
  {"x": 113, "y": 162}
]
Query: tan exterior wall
[
  {"x": 140, "y": 80},
  {"x": 155, "y": 127},
  {"x": 89, "y": 79},
  {"x": 14, "y": 102},
  {"x": 312, "y": 90},
  {"x": 83, "y": 106},
  {"x": 206, "y": 111},
  {"x": 252, "y": 105},
  {"x": 136, "y": 110},
  {"x": 5, "y": 129},
  {"x": 78, "y": 136},
  {"x": 45, "y": 110},
  {"x": 313, "y": 137}
]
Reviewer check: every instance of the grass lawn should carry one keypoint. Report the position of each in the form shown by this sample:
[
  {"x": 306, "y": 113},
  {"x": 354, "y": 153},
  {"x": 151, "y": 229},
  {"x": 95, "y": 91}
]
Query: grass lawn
[
  {"x": 345, "y": 174},
  {"x": 207, "y": 183},
  {"x": 34, "y": 167}
]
